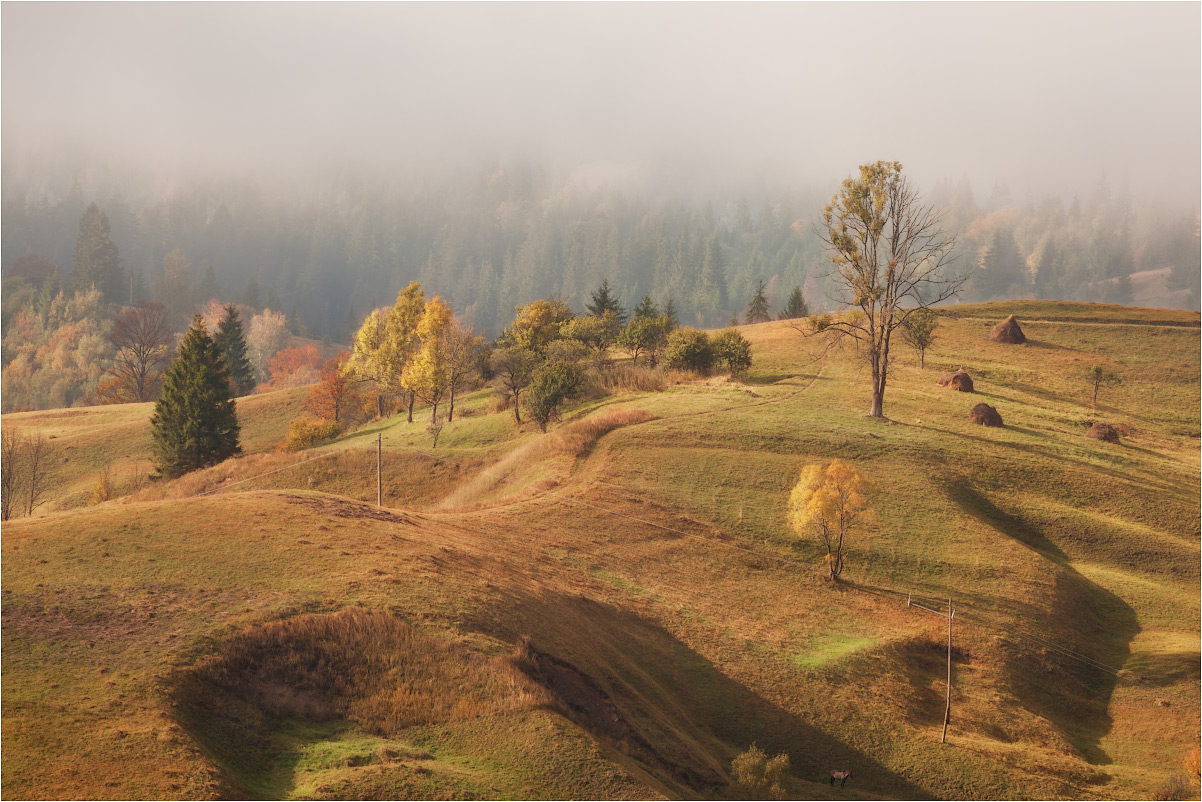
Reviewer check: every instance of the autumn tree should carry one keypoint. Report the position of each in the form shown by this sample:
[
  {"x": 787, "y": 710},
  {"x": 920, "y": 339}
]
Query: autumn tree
[
  {"x": 511, "y": 366},
  {"x": 335, "y": 396},
  {"x": 918, "y": 331},
  {"x": 645, "y": 336},
  {"x": 829, "y": 501},
  {"x": 689, "y": 349},
  {"x": 1100, "y": 377},
  {"x": 462, "y": 348},
  {"x": 195, "y": 422},
  {"x": 267, "y": 334},
  {"x": 596, "y": 332},
  {"x": 232, "y": 342},
  {"x": 142, "y": 338},
  {"x": 426, "y": 375},
  {"x": 890, "y": 258},
  {"x": 385, "y": 343},
  {"x": 537, "y": 324},
  {"x": 294, "y": 367},
  {"x": 756, "y": 776}
]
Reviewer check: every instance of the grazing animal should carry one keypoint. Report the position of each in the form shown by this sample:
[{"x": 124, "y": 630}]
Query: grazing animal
[{"x": 841, "y": 776}]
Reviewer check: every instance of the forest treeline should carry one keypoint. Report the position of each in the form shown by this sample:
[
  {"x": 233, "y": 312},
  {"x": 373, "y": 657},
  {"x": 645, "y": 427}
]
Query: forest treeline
[{"x": 499, "y": 238}]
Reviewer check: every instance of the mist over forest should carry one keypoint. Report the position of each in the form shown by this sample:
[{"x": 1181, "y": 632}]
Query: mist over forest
[{"x": 314, "y": 159}]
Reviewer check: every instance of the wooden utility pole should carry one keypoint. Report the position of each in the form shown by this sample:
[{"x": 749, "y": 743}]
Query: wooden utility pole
[
  {"x": 379, "y": 477},
  {"x": 949, "y": 615}
]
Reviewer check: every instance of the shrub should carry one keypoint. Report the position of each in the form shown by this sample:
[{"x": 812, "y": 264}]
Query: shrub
[
  {"x": 553, "y": 383},
  {"x": 308, "y": 432},
  {"x": 732, "y": 350},
  {"x": 689, "y": 349},
  {"x": 754, "y": 776},
  {"x": 1175, "y": 786},
  {"x": 104, "y": 487}
]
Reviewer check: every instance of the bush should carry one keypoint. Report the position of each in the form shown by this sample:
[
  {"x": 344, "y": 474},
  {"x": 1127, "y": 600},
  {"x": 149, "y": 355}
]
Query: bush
[
  {"x": 553, "y": 383},
  {"x": 754, "y": 776},
  {"x": 308, "y": 432},
  {"x": 1175, "y": 786},
  {"x": 732, "y": 350},
  {"x": 104, "y": 487},
  {"x": 689, "y": 349}
]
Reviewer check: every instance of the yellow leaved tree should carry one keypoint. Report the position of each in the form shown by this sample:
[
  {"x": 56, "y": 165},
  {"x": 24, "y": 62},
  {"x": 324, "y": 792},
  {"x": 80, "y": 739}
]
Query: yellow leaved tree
[
  {"x": 828, "y": 500},
  {"x": 426, "y": 374}
]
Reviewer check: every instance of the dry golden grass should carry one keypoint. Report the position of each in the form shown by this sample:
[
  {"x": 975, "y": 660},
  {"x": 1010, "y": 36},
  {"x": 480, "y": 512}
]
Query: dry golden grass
[{"x": 503, "y": 481}]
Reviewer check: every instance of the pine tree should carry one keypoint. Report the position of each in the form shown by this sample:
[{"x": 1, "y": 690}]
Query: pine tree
[
  {"x": 231, "y": 341},
  {"x": 670, "y": 312},
  {"x": 97, "y": 263},
  {"x": 714, "y": 271},
  {"x": 250, "y": 296},
  {"x": 646, "y": 308},
  {"x": 796, "y": 306},
  {"x": 757, "y": 308},
  {"x": 605, "y": 301},
  {"x": 195, "y": 423}
]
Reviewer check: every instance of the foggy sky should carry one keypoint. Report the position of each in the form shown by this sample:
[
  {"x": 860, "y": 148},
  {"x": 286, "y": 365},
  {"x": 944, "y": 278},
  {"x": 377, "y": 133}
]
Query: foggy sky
[{"x": 1042, "y": 96}]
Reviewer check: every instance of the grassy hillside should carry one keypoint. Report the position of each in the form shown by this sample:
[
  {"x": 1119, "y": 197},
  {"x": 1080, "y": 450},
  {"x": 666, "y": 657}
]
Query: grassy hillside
[{"x": 617, "y": 608}]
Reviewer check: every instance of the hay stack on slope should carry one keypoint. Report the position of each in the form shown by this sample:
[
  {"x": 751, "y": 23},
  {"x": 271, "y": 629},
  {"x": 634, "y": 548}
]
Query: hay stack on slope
[
  {"x": 957, "y": 380},
  {"x": 985, "y": 415},
  {"x": 1008, "y": 331},
  {"x": 1103, "y": 431}
]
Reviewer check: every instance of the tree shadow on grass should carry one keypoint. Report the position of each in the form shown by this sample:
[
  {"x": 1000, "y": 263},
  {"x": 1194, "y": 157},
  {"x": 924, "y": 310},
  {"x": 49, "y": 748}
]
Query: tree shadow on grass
[
  {"x": 689, "y": 717},
  {"x": 1065, "y": 659}
]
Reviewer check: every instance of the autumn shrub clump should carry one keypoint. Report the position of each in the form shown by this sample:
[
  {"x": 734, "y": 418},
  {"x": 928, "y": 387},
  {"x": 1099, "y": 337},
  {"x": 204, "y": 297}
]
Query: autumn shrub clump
[
  {"x": 308, "y": 432},
  {"x": 689, "y": 349},
  {"x": 755, "y": 776}
]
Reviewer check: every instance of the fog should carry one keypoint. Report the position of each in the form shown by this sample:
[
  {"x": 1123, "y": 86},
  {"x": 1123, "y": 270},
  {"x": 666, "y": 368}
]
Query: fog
[{"x": 1045, "y": 97}]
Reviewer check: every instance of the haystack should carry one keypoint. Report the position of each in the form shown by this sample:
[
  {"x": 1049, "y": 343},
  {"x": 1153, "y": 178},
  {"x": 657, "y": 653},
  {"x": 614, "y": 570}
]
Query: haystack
[
  {"x": 985, "y": 415},
  {"x": 1103, "y": 431},
  {"x": 957, "y": 380},
  {"x": 1008, "y": 331}
]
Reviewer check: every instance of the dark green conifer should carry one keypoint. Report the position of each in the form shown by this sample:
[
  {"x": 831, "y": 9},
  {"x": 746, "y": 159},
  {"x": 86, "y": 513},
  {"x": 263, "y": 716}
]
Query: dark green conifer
[
  {"x": 796, "y": 306},
  {"x": 232, "y": 343},
  {"x": 757, "y": 308},
  {"x": 605, "y": 301},
  {"x": 97, "y": 263},
  {"x": 670, "y": 312},
  {"x": 195, "y": 423},
  {"x": 646, "y": 308}
]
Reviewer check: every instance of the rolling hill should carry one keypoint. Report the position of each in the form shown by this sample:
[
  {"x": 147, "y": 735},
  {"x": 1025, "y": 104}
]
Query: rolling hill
[{"x": 617, "y": 608}]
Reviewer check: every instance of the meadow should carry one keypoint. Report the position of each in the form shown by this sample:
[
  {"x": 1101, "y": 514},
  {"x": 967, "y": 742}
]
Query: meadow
[{"x": 617, "y": 608}]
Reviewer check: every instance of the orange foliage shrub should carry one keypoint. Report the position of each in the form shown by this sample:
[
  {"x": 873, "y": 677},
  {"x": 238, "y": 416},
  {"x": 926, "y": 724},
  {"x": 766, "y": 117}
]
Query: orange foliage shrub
[
  {"x": 335, "y": 397},
  {"x": 308, "y": 432},
  {"x": 293, "y": 367}
]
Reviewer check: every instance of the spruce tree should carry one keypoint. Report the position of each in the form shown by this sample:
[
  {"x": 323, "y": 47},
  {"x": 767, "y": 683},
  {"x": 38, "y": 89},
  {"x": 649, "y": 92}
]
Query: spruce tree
[
  {"x": 714, "y": 271},
  {"x": 757, "y": 308},
  {"x": 605, "y": 301},
  {"x": 646, "y": 308},
  {"x": 195, "y": 423},
  {"x": 232, "y": 343},
  {"x": 796, "y": 306},
  {"x": 97, "y": 263},
  {"x": 670, "y": 312}
]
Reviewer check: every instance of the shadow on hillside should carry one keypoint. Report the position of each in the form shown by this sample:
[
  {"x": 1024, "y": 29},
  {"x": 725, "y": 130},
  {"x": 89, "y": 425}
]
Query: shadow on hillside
[
  {"x": 686, "y": 719},
  {"x": 1064, "y": 667}
]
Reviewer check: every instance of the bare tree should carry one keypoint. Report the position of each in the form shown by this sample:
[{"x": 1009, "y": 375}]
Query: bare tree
[
  {"x": 461, "y": 347},
  {"x": 10, "y": 470},
  {"x": 142, "y": 337},
  {"x": 891, "y": 258},
  {"x": 1100, "y": 377},
  {"x": 37, "y": 453}
]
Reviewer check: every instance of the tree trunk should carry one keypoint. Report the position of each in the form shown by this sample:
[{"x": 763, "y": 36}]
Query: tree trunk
[
  {"x": 451, "y": 405},
  {"x": 922, "y": 359},
  {"x": 434, "y": 413},
  {"x": 516, "y": 415},
  {"x": 410, "y": 419},
  {"x": 380, "y": 405}
]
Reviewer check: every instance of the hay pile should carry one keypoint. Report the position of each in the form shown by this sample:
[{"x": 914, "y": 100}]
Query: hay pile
[
  {"x": 985, "y": 415},
  {"x": 1008, "y": 331},
  {"x": 957, "y": 380},
  {"x": 1103, "y": 431}
]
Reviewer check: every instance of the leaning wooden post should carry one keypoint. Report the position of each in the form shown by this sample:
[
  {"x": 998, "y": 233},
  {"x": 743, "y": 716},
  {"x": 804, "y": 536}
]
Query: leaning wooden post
[
  {"x": 379, "y": 479},
  {"x": 947, "y": 713}
]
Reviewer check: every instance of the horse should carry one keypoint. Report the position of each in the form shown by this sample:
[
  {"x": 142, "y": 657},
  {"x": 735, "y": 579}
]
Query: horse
[{"x": 841, "y": 776}]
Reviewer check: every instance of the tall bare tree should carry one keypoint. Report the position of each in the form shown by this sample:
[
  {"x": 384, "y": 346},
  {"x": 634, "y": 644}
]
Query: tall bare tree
[
  {"x": 10, "y": 470},
  {"x": 143, "y": 338},
  {"x": 890, "y": 258},
  {"x": 37, "y": 457}
]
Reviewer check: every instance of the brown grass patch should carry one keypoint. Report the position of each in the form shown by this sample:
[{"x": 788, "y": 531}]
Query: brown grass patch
[{"x": 366, "y": 667}]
